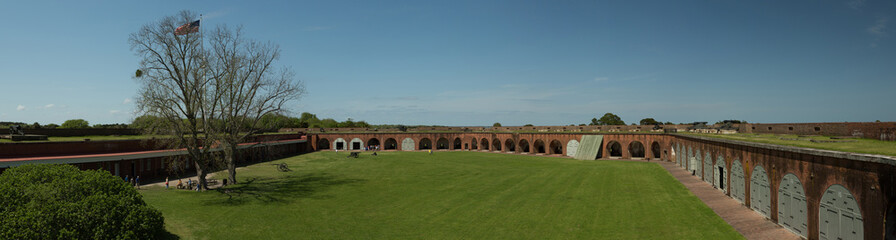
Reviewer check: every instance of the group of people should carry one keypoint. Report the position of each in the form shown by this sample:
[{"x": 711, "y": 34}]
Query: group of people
[
  {"x": 372, "y": 148},
  {"x": 135, "y": 181}
]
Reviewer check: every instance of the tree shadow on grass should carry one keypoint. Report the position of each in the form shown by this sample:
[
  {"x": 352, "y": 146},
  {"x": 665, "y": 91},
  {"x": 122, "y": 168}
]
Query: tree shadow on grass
[{"x": 278, "y": 190}]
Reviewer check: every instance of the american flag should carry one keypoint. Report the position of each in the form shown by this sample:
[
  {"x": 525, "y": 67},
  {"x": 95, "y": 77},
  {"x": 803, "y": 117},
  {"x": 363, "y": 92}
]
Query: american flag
[{"x": 187, "y": 28}]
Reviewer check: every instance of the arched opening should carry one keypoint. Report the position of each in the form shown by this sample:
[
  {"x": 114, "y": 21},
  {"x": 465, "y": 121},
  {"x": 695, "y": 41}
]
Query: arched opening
[
  {"x": 655, "y": 149},
  {"x": 496, "y": 144},
  {"x": 839, "y": 215},
  {"x": 572, "y": 147},
  {"x": 425, "y": 143},
  {"x": 474, "y": 144},
  {"x": 556, "y": 147},
  {"x": 510, "y": 145},
  {"x": 339, "y": 144},
  {"x": 636, "y": 149},
  {"x": 373, "y": 143},
  {"x": 719, "y": 174},
  {"x": 442, "y": 143},
  {"x": 760, "y": 192},
  {"x": 539, "y": 146},
  {"x": 323, "y": 143},
  {"x": 615, "y": 149},
  {"x": 792, "y": 212},
  {"x": 390, "y": 144},
  {"x": 737, "y": 181},
  {"x": 484, "y": 144},
  {"x": 458, "y": 143},
  {"x": 356, "y": 144},
  {"x": 524, "y": 145},
  {"x": 408, "y": 144}
]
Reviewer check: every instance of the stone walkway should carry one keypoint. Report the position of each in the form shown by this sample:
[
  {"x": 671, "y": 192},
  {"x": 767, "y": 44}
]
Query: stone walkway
[{"x": 746, "y": 221}]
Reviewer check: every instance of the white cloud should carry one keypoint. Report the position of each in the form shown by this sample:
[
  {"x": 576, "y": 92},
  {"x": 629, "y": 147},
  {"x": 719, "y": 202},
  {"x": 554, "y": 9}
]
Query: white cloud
[
  {"x": 49, "y": 105},
  {"x": 20, "y": 108},
  {"x": 114, "y": 111},
  {"x": 879, "y": 28},
  {"x": 127, "y": 100},
  {"x": 601, "y": 79}
]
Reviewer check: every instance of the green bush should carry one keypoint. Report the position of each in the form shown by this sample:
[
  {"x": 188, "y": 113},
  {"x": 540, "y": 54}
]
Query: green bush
[{"x": 61, "y": 202}]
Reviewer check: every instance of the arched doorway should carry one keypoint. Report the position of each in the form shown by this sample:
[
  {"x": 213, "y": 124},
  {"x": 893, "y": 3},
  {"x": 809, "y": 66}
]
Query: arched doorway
[
  {"x": 356, "y": 144},
  {"x": 442, "y": 143},
  {"x": 339, "y": 144},
  {"x": 737, "y": 181},
  {"x": 458, "y": 143},
  {"x": 792, "y": 212},
  {"x": 655, "y": 149},
  {"x": 719, "y": 174},
  {"x": 839, "y": 215},
  {"x": 615, "y": 149},
  {"x": 524, "y": 145},
  {"x": 539, "y": 146},
  {"x": 425, "y": 143},
  {"x": 556, "y": 148},
  {"x": 408, "y": 144},
  {"x": 484, "y": 144},
  {"x": 496, "y": 144},
  {"x": 636, "y": 149},
  {"x": 474, "y": 144},
  {"x": 511, "y": 146},
  {"x": 390, "y": 144},
  {"x": 760, "y": 192},
  {"x": 572, "y": 147},
  {"x": 373, "y": 143},
  {"x": 323, "y": 143}
]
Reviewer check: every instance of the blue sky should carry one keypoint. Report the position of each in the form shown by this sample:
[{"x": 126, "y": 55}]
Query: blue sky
[{"x": 473, "y": 63}]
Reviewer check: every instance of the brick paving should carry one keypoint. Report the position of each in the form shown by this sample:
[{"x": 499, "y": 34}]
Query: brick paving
[{"x": 746, "y": 221}]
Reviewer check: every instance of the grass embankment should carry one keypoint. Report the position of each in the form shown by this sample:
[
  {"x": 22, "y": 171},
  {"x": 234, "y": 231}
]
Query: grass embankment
[
  {"x": 92, "y": 138},
  {"x": 856, "y": 145},
  {"x": 448, "y": 195}
]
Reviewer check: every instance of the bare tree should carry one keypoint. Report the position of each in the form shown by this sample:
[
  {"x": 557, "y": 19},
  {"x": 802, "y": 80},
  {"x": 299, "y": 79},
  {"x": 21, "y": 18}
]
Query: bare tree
[
  {"x": 249, "y": 86},
  {"x": 175, "y": 88}
]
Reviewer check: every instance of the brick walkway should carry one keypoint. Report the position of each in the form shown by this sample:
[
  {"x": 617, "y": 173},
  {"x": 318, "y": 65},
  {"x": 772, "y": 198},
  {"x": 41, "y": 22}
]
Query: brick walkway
[{"x": 746, "y": 221}]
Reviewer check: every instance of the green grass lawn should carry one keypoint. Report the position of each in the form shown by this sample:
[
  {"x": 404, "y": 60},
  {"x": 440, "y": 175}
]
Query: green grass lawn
[
  {"x": 448, "y": 195},
  {"x": 859, "y": 145}
]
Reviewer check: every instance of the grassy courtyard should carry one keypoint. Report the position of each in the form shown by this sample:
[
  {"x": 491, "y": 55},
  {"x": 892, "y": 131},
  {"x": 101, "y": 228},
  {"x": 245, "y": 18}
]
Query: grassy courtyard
[{"x": 447, "y": 195}]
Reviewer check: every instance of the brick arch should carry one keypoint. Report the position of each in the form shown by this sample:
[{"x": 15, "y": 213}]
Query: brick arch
[
  {"x": 373, "y": 142},
  {"x": 656, "y": 150},
  {"x": 442, "y": 144},
  {"x": 496, "y": 145},
  {"x": 524, "y": 146},
  {"x": 390, "y": 144},
  {"x": 323, "y": 143},
  {"x": 457, "y": 144},
  {"x": 484, "y": 145},
  {"x": 539, "y": 147},
  {"x": 556, "y": 147},
  {"x": 509, "y": 145},
  {"x": 614, "y": 149},
  {"x": 636, "y": 149},
  {"x": 424, "y": 143}
]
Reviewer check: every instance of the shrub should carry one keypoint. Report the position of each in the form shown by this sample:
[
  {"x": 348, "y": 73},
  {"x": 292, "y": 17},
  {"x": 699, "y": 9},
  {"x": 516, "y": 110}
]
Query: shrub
[{"x": 61, "y": 202}]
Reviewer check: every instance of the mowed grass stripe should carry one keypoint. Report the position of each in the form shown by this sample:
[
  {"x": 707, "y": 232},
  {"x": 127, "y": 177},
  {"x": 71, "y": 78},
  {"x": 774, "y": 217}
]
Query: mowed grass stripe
[{"x": 446, "y": 195}]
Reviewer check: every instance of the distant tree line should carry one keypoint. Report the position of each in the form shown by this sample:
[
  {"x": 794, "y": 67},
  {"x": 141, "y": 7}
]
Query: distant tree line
[{"x": 71, "y": 123}]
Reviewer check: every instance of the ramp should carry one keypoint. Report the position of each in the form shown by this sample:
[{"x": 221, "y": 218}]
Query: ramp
[{"x": 589, "y": 147}]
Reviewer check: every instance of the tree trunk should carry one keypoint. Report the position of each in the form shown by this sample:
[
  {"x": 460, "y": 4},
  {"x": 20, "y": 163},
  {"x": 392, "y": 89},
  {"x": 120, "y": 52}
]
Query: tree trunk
[
  {"x": 200, "y": 173},
  {"x": 230, "y": 151}
]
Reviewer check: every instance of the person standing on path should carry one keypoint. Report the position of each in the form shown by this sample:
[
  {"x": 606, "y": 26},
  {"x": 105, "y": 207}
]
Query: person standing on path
[{"x": 166, "y": 183}]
